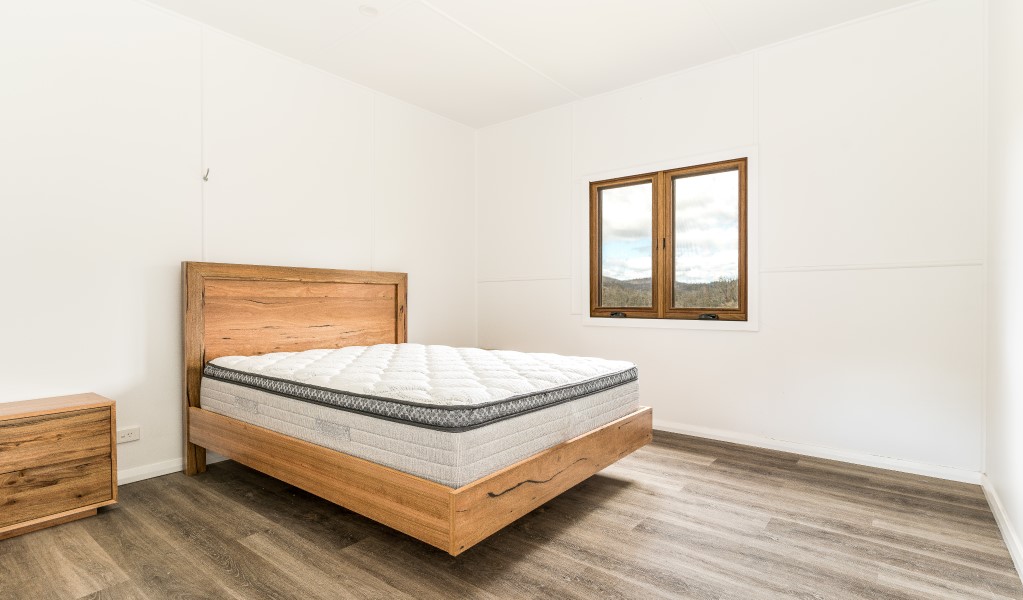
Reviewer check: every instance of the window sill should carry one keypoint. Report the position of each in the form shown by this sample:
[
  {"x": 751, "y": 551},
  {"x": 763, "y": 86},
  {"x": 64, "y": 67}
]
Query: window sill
[{"x": 750, "y": 325}]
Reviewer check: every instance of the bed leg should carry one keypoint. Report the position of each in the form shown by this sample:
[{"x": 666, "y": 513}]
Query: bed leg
[{"x": 195, "y": 459}]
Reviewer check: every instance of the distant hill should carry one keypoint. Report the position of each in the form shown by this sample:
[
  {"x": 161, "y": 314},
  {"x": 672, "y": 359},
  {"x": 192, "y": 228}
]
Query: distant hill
[
  {"x": 626, "y": 292},
  {"x": 723, "y": 293}
]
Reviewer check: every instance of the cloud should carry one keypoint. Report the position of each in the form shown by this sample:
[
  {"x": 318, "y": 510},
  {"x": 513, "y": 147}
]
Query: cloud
[
  {"x": 627, "y": 213},
  {"x": 626, "y": 261},
  {"x": 706, "y": 229}
]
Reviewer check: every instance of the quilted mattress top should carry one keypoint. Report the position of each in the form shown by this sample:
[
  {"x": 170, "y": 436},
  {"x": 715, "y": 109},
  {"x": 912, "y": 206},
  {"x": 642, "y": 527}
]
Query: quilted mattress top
[{"x": 432, "y": 386}]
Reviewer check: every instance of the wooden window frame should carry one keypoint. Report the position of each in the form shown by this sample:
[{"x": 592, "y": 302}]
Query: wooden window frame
[{"x": 663, "y": 246}]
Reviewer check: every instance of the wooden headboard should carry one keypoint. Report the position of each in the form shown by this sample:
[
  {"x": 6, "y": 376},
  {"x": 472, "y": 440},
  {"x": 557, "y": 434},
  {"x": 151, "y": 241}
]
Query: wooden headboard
[{"x": 251, "y": 309}]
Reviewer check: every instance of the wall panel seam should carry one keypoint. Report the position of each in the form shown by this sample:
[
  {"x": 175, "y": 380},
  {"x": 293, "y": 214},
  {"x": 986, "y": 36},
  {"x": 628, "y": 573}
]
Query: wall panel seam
[
  {"x": 875, "y": 266},
  {"x": 797, "y": 269}
]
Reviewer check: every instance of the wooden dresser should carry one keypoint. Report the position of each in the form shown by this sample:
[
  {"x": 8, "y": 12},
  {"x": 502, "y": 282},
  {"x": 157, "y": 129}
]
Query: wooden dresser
[{"x": 58, "y": 461}]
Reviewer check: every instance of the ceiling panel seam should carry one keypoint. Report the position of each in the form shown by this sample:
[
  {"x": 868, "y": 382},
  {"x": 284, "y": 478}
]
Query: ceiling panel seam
[{"x": 501, "y": 49}]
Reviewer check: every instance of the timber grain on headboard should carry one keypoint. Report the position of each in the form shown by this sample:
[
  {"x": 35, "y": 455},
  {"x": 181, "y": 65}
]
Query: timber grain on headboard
[{"x": 251, "y": 309}]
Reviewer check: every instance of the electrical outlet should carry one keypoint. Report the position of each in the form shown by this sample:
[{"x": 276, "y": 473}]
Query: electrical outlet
[{"x": 129, "y": 434}]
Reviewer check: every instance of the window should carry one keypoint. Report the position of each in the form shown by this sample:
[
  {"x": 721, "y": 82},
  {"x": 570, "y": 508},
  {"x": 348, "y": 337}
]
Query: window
[{"x": 671, "y": 244}]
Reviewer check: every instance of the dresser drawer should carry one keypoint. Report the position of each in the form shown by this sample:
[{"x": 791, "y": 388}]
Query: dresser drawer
[
  {"x": 54, "y": 438},
  {"x": 40, "y": 491},
  {"x": 58, "y": 461}
]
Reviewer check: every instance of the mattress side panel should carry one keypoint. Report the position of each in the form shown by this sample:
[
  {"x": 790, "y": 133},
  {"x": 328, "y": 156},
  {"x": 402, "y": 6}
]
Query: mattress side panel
[{"x": 449, "y": 458}]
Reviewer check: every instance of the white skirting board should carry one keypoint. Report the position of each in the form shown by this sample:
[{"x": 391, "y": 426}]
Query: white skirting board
[
  {"x": 1012, "y": 539},
  {"x": 849, "y": 456},
  {"x": 126, "y": 476}
]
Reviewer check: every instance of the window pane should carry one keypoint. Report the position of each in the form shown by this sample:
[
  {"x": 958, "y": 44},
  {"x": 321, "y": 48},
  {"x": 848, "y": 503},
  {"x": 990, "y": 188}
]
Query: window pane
[
  {"x": 626, "y": 237},
  {"x": 707, "y": 240}
]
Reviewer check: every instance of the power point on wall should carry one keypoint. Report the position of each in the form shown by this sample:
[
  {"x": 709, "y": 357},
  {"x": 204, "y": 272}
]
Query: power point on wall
[{"x": 129, "y": 434}]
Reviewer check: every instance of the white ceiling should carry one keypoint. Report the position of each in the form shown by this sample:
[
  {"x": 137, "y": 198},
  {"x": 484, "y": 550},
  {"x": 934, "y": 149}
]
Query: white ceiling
[{"x": 485, "y": 61}]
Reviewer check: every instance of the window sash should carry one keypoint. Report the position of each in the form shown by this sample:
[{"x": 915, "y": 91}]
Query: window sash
[{"x": 596, "y": 247}]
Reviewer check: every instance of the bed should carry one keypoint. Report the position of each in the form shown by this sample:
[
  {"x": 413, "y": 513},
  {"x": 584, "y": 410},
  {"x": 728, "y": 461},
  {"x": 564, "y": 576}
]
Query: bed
[{"x": 306, "y": 375}]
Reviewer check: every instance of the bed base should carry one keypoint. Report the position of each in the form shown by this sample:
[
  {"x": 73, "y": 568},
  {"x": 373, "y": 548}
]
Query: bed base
[
  {"x": 253, "y": 309},
  {"x": 447, "y": 518}
]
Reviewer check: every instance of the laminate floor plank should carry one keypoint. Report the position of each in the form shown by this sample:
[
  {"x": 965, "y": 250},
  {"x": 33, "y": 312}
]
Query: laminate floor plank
[
  {"x": 628, "y": 574},
  {"x": 856, "y": 522},
  {"x": 886, "y": 555},
  {"x": 932, "y": 587},
  {"x": 917, "y": 485},
  {"x": 121, "y": 591},
  {"x": 765, "y": 567},
  {"x": 292, "y": 508},
  {"x": 681, "y": 518},
  {"x": 809, "y": 502},
  {"x": 139, "y": 543},
  {"x": 22, "y": 575},
  {"x": 305, "y": 563},
  {"x": 212, "y": 537},
  {"x": 634, "y": 562},
  {"x": 891, "y": 480},
  {"x": 859, "y": 490},
  {"x": 60, "y": 563},
  {"x": 423, "y": 573},
  {"x": 966, "y": 540},
  {"x": 193, "y": 577},
  {"x": 635, "y": 506},
  {"x": 76, "y": 560},
  {"x": 317, "y": 573}
]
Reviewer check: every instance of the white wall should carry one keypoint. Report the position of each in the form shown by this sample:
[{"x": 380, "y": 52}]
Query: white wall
[
  {"x": 870, "y": 145},
  {"x": 425, "y": 219},
  {"x": 110, "y": 112},
  {"x": 290, "y": 153},
  {"x": 99, "y": 117},
  {"x": 1005, "y": 280},
  {"x": 307, "y": 169}
]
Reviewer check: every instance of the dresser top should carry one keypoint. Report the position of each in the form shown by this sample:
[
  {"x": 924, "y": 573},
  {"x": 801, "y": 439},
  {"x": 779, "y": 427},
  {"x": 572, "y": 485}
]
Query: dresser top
[{"x": 45, "y": 406}]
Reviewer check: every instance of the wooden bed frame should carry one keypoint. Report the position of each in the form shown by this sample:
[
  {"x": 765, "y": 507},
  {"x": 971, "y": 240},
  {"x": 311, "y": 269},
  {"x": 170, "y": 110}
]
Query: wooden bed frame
[{"x": 250, "y": 309}]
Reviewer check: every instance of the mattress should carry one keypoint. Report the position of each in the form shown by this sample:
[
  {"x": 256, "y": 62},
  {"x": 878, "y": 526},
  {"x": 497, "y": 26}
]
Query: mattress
[{"x": 450, "y": 415}]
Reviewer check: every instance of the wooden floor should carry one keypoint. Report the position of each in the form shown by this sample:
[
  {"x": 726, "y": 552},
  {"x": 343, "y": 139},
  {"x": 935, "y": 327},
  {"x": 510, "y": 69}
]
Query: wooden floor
[{"x": 682, "y": 518}]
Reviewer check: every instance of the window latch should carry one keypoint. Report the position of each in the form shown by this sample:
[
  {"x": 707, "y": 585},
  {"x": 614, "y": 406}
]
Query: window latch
[
  {"x": 709, "y": 317},
  {"x": 618, "y": 315}
]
